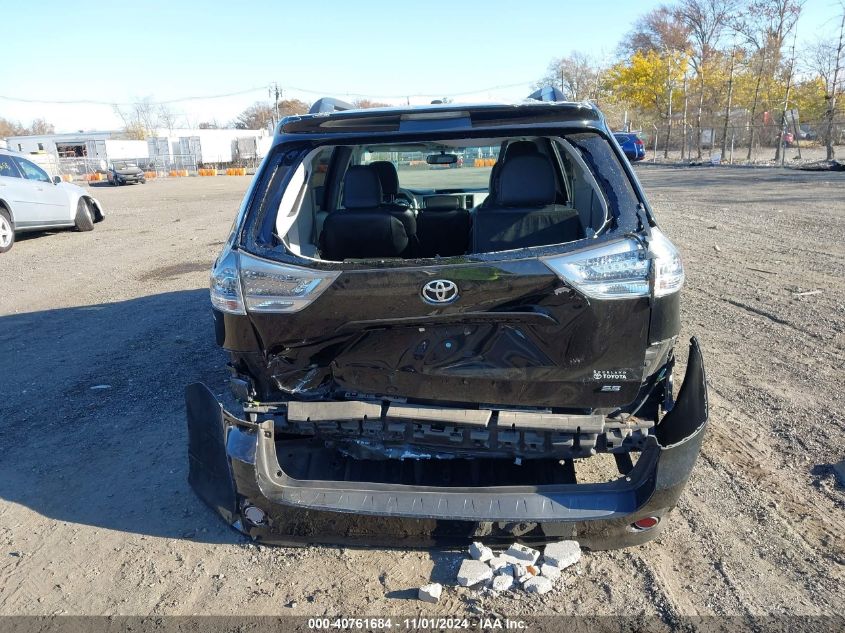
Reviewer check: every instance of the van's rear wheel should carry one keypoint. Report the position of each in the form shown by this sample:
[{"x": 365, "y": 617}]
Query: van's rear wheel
[
  {"x": 84, "y": 218},
  {"x": 7, "y": 233}
]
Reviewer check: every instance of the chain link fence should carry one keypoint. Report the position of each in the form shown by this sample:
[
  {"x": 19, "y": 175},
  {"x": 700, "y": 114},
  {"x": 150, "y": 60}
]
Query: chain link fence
[
  {"x": 740, "y": 142},
  {"x": 93, "y": 169}
]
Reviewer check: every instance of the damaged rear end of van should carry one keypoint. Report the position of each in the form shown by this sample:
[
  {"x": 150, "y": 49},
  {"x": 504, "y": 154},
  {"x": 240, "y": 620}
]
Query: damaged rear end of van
[{"x": 424, "y": 355}]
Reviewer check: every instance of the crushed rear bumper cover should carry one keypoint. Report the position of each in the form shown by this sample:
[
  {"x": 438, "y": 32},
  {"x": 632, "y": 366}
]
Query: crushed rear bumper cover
[{"x": 234, "y": 469}]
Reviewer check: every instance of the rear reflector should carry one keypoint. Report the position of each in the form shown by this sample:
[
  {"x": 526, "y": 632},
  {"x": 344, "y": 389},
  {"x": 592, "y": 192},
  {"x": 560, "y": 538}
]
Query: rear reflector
[{"x": 645, "y": 524}]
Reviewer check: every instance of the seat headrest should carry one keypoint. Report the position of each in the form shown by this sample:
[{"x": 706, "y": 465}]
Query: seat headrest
[
  {"x": 387, "y": 176},
  {"x": 361, "y": 188},
  {"x": 442, "y": 203},
  {"x": 526, "y": 181},
  {"x": 520, "y": 148}
]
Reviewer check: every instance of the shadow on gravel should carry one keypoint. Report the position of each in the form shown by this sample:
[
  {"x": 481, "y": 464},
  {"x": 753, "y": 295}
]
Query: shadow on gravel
[{"x": 93, "y": 417}]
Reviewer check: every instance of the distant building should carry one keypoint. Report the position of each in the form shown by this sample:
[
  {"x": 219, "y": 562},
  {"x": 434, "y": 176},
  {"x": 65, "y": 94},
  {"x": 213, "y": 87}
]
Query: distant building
[{"x": 194, "y": 146}]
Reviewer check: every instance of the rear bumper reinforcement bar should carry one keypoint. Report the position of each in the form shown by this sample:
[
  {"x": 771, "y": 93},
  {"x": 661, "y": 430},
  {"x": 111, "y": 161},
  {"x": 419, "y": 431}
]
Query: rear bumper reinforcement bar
[{"x": 234, "y": 467}]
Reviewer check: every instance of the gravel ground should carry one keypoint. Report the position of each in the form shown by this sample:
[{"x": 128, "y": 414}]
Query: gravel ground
[{"x": 100, "y": 331}]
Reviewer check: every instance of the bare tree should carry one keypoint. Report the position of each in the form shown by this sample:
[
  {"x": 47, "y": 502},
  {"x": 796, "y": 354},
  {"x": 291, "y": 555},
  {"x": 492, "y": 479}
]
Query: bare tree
[
  {"x": 764, "y": 26},
  {"x": 368, "y": 103},
  {"x": 576, "y": 75},
  {"x": 706, "y": 20},
  {"x": 662, "y": 29},
  {"x": 258, "y": 116},
  {"x": 140, "y": 119},
  {"x": 167, "y": 117},
  {"x": 827, "y": 58}
]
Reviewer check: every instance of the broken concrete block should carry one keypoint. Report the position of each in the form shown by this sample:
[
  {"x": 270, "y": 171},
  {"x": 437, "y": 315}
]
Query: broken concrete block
[
  {"x": 481, "y": 552},
  {"x": 537, "y": 584},
  {"x": 473, "y": 572},
  {"x": 430, "y": 593},
  {"x": 499, "y": 562},
  {"x": 550, "y": 571},
  {"x": 522, "y": 554},
  {"x": 521, "y": 573},
  {"x": 562, "y": 554},
  {"x": 502, "y": 582}
]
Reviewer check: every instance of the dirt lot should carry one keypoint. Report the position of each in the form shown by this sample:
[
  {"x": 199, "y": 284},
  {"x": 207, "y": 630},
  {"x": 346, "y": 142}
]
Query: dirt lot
[{"x": 99, "y": 333}]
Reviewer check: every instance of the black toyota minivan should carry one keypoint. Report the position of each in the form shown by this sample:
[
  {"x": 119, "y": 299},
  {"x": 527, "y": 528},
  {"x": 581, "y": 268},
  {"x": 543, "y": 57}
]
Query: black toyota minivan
[{"x": 425, "y": 355}]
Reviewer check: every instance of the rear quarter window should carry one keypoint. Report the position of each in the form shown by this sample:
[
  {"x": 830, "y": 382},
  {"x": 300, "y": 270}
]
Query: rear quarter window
[
  {"x": 7, "y": 167},
  {"x": 622, "y": 198}
]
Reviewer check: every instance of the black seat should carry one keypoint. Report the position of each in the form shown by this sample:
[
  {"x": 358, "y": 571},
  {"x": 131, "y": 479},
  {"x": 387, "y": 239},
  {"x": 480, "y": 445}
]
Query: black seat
[
  {"x": 524, "y": 212},
  {"x": 362, "y": 229},
  {"x": 512, "y": 150},
  {"x": 389, "y": 180},
  {"x": 443, "y": 227}
]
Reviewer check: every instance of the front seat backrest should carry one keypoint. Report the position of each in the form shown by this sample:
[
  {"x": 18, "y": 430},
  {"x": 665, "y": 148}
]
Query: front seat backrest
[
  {"x": 362, "y": 229},
  {"x": 443, "y": 227},
  {"x": 524, "y": 212}
]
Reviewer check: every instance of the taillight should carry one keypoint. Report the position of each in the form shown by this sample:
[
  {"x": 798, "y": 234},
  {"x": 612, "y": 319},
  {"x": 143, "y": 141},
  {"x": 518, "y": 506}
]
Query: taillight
[
  {"x": 225, "y": 286},
  {"x": 620, "y": 270},
  {"x": 638, "y": 143},
  {"x": 241, "y": 283},
  {"x": 668, "y": 267},
  {"x": 274, "y": 287}
]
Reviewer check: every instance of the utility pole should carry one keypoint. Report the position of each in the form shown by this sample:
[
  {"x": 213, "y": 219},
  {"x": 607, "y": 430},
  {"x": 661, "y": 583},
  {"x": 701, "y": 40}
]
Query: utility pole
[{"x": 275, "y": 93}]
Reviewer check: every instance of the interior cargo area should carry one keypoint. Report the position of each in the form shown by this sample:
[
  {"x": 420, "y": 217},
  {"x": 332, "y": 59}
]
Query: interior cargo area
[{"x": 440, "y": 198}]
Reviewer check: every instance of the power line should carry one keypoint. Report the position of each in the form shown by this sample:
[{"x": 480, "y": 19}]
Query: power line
[
  {"x": 112, "y": 103},
  {"x": 256, "y": 89},
  {"x": 412, "y": 94}
]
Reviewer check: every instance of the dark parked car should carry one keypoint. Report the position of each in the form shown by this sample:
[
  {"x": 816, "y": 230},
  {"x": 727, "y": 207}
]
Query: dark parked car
[
  {"x": 631, "y": 144},
  {"x": 123, "y": 173},
  {"x": 438, "y": 356}
]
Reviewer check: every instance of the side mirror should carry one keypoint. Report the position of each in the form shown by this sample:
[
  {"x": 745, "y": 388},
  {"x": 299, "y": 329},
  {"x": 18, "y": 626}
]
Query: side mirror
[{"x": 57, "y": 180}]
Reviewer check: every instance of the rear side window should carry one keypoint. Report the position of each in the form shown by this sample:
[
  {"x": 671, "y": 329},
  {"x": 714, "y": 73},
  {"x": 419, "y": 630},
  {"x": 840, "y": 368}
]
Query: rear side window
[
  {"x": 31, "y": 171},
  {"x": 7, "y": 167},
  {"x": 622, "y": 199}
]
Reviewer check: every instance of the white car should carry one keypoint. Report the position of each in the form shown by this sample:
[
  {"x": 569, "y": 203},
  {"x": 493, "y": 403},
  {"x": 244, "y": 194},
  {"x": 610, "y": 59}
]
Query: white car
[{"x": 31, "y": 201}]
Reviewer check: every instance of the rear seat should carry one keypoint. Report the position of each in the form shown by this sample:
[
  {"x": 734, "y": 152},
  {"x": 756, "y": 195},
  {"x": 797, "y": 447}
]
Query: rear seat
[
  {"x": 363, "y": 229},
  {"x": 443, "y": 227},
  {"x": 523, "y": 212}
]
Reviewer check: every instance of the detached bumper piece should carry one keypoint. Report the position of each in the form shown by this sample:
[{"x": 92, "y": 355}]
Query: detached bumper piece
[{"x": 289, "y": 491}]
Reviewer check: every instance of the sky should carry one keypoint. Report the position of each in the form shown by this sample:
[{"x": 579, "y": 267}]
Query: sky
[{"x": 389, "y": 51}]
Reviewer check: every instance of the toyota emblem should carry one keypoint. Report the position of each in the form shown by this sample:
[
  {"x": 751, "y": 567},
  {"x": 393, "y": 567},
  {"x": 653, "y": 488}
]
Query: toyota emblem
[{"x": 439, "y": 291}]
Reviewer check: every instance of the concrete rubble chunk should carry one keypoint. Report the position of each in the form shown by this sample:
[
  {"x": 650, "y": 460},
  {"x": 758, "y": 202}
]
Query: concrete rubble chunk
[
  {"x": 562, "y": 554},
  {"x": 473, "y": 572},
  {"x": 538, "y": 584},
  {"x": 481, "y": 552},
  {"x": 521, "y": 573},
  {"x": 502, "y": 582},
  {"x": 430, "y": 593},
  {"x": 522, "y": 554},
  {"x": 550, "y": 571},
  {"x": 499, "y": 562}
]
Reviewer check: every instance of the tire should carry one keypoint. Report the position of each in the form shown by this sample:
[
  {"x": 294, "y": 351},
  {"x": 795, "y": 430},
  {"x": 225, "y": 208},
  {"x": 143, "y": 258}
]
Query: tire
[
  {"x": 7, "y": 233},
  {"x": 115, "y": 182},
  {"x": 84, "y": 218}
]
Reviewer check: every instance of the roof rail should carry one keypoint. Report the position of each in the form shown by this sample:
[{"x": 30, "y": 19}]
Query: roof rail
[
  {"x": 330, "y": 104},
  {"x": 548, "y": 93}
]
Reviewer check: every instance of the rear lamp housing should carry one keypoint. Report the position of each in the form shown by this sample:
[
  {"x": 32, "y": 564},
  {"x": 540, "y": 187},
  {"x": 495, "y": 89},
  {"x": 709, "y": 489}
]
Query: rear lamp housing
[
  {"x": 622, "y": 269},
  {"x": 242, "y": 283}
]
